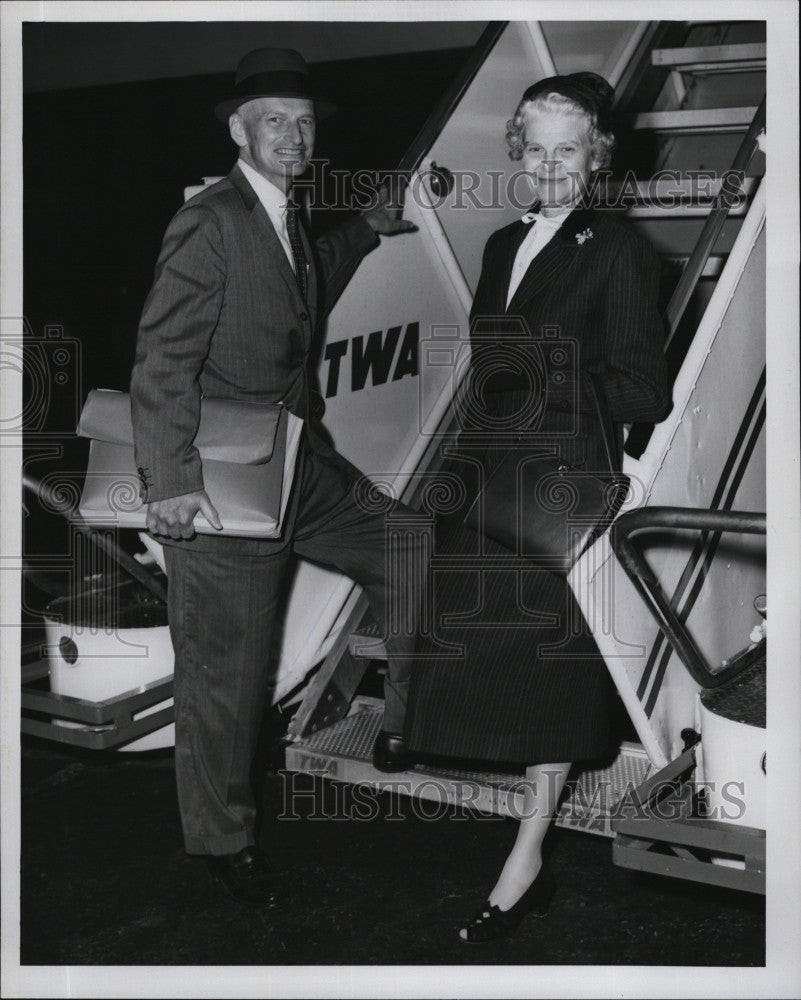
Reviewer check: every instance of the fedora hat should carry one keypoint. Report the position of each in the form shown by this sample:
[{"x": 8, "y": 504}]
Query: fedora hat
[{"x": 271, "y": 73}]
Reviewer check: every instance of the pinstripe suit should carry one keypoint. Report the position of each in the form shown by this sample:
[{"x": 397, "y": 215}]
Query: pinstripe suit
[
  {"x": 524, "y": 681},
  {"x": 225, "y": 318}
]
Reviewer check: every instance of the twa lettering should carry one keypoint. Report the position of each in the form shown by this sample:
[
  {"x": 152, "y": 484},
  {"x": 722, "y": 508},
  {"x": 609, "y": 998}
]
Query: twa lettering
[{"x": 376, "y": 355}]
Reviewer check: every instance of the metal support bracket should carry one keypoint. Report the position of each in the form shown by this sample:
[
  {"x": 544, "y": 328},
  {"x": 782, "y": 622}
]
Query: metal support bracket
[{"x": 101, "y": 725}]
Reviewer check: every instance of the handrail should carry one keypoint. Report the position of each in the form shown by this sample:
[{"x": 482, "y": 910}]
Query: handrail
[
  {"x": 102, "y": 541},
  {"x": 629, "y": 60},
  {"x": 713, "y": 225},
  {"x": 640, "y": 433},
  {"x": 538, "y": 44},
  {"x": 641, "y": 81},
  {"x": 435, "y": 122},
  {"x": 424, "y": 139},
  {"x": 647, "y": 585}
]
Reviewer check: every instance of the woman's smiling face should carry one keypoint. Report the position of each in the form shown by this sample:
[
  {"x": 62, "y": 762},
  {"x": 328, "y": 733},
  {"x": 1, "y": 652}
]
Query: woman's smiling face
[{"x": 557, "y": 156}]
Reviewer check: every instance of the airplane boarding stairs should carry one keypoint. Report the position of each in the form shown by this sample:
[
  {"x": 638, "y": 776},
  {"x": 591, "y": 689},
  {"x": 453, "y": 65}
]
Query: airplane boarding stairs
[
  {"x": 710, "y": 230},
  {"x": 690, "y": 110}
]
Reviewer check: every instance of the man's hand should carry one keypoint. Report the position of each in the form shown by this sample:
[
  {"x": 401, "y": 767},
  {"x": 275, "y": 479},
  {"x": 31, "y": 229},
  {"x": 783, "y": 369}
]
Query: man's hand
[
  {"x": 385, "y": 217},
  {"x": 174, "y": 516}
]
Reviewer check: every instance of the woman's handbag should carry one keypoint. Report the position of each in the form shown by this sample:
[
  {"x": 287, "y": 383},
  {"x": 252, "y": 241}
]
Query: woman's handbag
[
  {"x": 249, "y": 451},
  {"x": 546, "y": 510}
]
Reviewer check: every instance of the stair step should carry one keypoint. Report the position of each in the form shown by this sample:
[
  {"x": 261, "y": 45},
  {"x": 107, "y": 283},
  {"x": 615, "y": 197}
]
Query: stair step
[
  {"x": 713, "y": 58},
  {"x": 683, "y": 198},
  {"x": 679, "y": 211},
  {"x": 365, "y": 643},
  {"x": 708, "y": 120},
  {"x": 663, "y": 189},
  {"x": 667, "y": 191},
  {"x": 343, "y": 752},
  {"x": 712, "y": 268}
]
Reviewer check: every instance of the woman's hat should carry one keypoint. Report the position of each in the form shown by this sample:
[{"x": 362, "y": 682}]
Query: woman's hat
[
  {"x": 588, "y": 90},
  {"x": 272, "y": 73}
]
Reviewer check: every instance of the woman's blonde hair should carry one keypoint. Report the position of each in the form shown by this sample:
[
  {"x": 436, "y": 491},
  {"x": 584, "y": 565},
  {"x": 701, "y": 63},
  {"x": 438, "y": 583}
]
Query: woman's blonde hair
[{"x": 601, "y": 142}]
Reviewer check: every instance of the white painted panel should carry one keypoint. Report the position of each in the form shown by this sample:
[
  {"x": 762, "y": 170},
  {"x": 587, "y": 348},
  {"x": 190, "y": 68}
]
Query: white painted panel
[{"x": 709, "y": 452}]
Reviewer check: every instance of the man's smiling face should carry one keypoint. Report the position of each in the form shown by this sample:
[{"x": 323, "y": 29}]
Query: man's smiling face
[{"x": 276, "y": 136}]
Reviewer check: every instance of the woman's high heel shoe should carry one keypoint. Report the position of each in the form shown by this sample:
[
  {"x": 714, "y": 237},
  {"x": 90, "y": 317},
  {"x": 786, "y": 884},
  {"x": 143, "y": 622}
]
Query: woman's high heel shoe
[{"x": 492, "y": 923}]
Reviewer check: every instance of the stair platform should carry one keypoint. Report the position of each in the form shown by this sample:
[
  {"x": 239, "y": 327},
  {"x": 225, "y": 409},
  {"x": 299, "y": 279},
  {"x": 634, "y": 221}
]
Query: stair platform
[{"x": 343, "y": 752}]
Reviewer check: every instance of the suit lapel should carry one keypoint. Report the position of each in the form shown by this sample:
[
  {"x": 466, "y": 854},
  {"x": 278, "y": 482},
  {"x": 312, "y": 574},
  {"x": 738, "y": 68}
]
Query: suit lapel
[
  {"x": 516, "y": 236},
  {"x": 490, "y": 299},
  {"x": 274, "y": 250},
  {"x": 553, "y": 261}
]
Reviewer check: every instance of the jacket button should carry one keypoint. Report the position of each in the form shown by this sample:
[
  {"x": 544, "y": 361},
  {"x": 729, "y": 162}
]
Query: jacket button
[{"x": 304, "y": 317}]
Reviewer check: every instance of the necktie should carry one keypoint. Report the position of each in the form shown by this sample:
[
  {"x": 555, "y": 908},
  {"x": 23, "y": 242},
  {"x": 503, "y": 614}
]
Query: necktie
[{"x": 298, "y": 254}]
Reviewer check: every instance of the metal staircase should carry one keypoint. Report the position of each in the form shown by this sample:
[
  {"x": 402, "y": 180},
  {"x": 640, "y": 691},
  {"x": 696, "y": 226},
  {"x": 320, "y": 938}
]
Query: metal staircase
[
  {"x": 692, "y": 103},
  {"x": 694, "y": 238}
]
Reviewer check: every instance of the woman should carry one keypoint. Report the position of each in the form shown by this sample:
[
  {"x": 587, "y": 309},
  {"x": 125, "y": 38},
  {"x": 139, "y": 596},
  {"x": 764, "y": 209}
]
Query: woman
[{"x": 514, "y": 674}]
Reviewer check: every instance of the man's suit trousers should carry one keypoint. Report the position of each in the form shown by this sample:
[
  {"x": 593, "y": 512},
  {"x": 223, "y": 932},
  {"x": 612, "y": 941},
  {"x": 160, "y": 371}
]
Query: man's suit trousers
[{"x": 225, "y": 610}]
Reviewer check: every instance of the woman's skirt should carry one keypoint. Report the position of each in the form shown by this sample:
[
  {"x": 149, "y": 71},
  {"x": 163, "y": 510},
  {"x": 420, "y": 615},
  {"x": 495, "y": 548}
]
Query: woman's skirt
[{"x": 509, "y": 671}]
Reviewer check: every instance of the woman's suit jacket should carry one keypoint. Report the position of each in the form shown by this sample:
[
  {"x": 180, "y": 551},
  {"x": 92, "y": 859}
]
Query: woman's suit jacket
[
  {"x": 225, "y": 318},
  {"x": 595, "y": 284}
]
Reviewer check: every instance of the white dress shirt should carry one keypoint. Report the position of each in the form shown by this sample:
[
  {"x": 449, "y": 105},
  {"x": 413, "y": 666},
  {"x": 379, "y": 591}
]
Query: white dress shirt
[
  {"x": 542, "y": 232},
  {"x": 274, "y": 201}
]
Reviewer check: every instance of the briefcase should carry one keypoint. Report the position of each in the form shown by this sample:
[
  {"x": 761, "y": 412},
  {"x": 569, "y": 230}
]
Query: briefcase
[{"x": 248, "y": 450}]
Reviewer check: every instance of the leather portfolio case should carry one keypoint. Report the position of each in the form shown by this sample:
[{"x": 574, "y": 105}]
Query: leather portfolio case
[{"x": 249, "y": 452}]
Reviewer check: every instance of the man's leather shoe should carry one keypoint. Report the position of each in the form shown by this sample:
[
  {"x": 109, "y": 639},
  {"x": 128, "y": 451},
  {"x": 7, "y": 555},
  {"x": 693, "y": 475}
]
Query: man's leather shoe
[
  {"x": 390, "y": 753},
  {"x": 247, "y": 876}
]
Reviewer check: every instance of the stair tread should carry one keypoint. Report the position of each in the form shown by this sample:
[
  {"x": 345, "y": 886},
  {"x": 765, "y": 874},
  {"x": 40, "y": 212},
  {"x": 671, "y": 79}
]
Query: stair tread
[
  {"x": 701, "y": 188},
  {"x": 721, "y": 54},
  {"x": 743, "y": 699},
  {"x": 712, "y": 268},
  {"x": 366, "y": 642},
  {"x": 647, "y": 119},
  {"x": 688, "y": 121},
  {"x": 343, "y": 751}
]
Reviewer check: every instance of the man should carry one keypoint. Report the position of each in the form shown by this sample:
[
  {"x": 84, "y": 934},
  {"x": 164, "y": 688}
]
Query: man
[{"x": 231, "y": 315}]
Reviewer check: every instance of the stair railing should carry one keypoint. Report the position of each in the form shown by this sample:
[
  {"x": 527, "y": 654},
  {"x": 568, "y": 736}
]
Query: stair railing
[
  {"x": 726, "y": 198},
  {"x": 640, "y": 433},
  {"x": 98, "y": 538}
]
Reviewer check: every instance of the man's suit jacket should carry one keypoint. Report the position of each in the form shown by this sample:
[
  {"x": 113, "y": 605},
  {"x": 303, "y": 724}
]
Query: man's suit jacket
[
  {"x": 225, "y": 318},
  {"x": 594, "y": 284}
]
